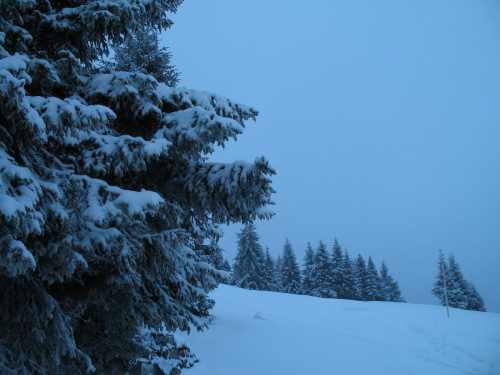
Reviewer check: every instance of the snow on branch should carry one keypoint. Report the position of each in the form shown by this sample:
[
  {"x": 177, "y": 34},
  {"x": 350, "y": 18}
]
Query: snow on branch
[{"x": 233, "y": 191}]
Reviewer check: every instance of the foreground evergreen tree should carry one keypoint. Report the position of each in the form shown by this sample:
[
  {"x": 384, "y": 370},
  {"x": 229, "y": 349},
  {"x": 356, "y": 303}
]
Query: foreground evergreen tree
[
  {"x": 307, "y": 272},
  {"x": 249, "y": 265},
  {"x": 289, "y": 271},
  {"x": 105, "y": 190},
  {"x": 322, "y": 274},
  {"x": 461, "y": 293},
  {"x": 389, "y": 288}
]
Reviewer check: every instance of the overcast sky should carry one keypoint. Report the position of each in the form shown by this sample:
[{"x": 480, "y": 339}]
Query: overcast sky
[{"x": 381, "y": 118}]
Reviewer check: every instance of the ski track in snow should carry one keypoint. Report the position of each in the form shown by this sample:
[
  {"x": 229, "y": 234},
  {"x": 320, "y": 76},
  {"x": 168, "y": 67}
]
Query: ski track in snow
[{"x": 267, "y": 333}]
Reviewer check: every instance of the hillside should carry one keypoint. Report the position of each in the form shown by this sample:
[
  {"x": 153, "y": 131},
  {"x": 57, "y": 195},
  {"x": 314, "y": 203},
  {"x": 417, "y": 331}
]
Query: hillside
[{"x": 268, "y": 333}]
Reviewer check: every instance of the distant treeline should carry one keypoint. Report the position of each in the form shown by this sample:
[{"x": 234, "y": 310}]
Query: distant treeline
[{"x": 324, "y": 274}]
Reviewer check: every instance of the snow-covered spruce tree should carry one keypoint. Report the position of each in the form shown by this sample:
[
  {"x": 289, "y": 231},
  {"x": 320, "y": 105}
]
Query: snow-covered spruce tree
[
  {"x": 105, "y": 189},
  {"x": 455, "y": 284},
  {"x": 474, "y": 300},
  {"x": 249, "y": 264},
  {"x": 141, "y": 52},
  {"x": 212, "y": 253},
  {"x": 360, "y": 278},
  {"x": 438, "y": 288},
  {"x": 277, "y": 272},
  {"x": 389, "y": 288},
  {"x": 307, "y": 272},
  {"x": 270, "y": 272},
  {"x": 322, "y": 274},
  {"x": 337, "y": 269},
  {"x": 349, "y": 291},
  {"x": 461, "y": 293},
  {"x": 289, "y": 271},
  {"x": 372, "y": 288}
]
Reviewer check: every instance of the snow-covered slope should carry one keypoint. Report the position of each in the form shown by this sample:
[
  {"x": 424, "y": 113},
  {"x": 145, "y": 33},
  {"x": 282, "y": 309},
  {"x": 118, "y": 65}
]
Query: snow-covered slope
[{"x": 268, "y": 333}]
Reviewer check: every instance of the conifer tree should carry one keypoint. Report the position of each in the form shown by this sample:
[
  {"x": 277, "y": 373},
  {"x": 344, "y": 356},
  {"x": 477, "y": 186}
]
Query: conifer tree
[
  {"x": 389, "y": 288},
  {"x": 289, "y": 272},
  {"x": 226, "y": 266},
  {"x": 337, "y": 269},
  {"x": 277, "y": 273},
  {"x": 307, "y": 272},
  {"x": 438, "y": 288},
  {"x": 455, "y": 284},
  {"x": 141, "y": 52},
  {"x": 461, "y": 293},
  {"x": 105, "y": 189},
  {"x": 322, "y": 274},
  {"x": 249, "y": 265},
  {"x": 270, "y": 272},
  {"x": 372, "y": 288},
  {"x": 360, "y": 278},
  {"x": 349, "y": 291},
  {"x": 474, "y": 300}
]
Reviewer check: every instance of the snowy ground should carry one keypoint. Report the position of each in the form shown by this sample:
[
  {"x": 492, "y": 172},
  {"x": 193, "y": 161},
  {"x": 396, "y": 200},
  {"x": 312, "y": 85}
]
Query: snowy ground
[{"x": 269, "y": 333}]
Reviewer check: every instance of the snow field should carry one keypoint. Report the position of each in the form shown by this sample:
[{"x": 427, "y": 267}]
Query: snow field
[{"x": 269, "y": 333}]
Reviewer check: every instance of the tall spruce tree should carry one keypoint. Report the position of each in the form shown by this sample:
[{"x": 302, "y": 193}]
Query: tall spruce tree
[
  {"x": 105, "y": 189},
  {"x": 455, "y": 284},
  {"x": 322, "y": 274},
  {"x": 389, "y": 288},
  {"x": 249, "y": 264},
  {"x": 277, "y": 273},
  {"x": 360, "y": 278},
  {"x": 307, "y": 272},
  {"x": 349, "y": 291},
  {"x": 372, "y": 288},
  {"x": 270, "y": 272},
  {"x": 337, "y": 269},
  {"x": 289, "y": 272},
  {"x": 438, "y": 288}
]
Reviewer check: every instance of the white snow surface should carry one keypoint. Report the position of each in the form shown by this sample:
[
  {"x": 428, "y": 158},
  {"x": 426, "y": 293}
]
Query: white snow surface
[{"x": 270, "y": 333}]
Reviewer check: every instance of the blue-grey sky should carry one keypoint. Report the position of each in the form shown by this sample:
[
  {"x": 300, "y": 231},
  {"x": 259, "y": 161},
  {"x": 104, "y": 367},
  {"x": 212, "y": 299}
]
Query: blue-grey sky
[{"x": 381, "y": 118}]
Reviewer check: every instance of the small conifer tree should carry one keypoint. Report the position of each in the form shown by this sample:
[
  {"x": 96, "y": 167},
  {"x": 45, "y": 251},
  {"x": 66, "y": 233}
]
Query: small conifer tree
[
  {"x": 307, "y": 272},
  {"x": 322, "y": 274},
  {"x": 389, "y": 288},
  {"x": 249, "y": 265},
  {"x": 289, "y": 272}
]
